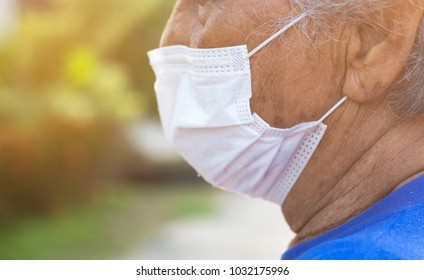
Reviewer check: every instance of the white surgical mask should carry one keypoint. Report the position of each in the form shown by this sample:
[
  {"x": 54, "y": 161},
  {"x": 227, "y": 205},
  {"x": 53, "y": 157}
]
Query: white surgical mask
[{"x": 203, "y": 97}]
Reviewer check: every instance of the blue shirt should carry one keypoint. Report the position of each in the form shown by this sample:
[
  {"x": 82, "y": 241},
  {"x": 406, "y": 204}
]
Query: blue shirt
[{"x": 391, "y": 229}]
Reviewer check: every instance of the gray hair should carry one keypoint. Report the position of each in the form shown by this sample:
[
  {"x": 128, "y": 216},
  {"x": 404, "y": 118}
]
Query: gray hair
[{"x": 328, "y": 14}]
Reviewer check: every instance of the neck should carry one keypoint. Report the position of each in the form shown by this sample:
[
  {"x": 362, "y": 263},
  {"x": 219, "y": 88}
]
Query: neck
[{"x": 365, "y": 155}]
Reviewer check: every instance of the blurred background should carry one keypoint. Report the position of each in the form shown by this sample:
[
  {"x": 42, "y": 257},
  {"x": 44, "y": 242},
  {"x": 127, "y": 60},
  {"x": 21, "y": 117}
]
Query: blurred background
[{"x": 85, "y": 172}]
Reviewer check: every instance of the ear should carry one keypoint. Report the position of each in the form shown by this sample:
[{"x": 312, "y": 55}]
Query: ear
[{"x": 376, "y": 56}]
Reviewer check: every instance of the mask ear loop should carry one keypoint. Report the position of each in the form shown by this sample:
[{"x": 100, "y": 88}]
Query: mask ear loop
[
  {"x": 333, "y": 109},
  {"x": 273, "y": 37},
  {"x": 278, "y": 33}
]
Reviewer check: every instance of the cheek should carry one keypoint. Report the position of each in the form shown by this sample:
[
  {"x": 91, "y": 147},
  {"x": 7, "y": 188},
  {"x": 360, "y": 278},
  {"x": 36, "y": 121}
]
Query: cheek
[
  {"x": 222, "y": 26},
  {"x": 181, "y": 25},
  {"x": 293, "y": 84},
  {"x": 221, "y": 23},
  {"x": 276, "y": 87}
]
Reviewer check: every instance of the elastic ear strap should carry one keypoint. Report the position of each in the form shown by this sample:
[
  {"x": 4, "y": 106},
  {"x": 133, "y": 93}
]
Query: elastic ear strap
[
  {"x": 281, "y": 31},
  {"x": 333, "y": 109}
]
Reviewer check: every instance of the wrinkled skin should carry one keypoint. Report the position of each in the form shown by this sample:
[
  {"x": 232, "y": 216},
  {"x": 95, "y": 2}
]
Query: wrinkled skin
[
  {"x": 286, "y": 75},
  {"x": 294, "y": 81}
]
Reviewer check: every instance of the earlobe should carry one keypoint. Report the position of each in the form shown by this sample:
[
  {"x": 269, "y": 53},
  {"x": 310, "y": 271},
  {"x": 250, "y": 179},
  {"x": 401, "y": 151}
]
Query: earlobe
[{"x": 376, "y": 56}]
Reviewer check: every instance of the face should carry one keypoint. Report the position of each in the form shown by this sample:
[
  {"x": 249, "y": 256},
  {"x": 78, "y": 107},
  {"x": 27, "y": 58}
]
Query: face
[{"x": 293, "y": 80}]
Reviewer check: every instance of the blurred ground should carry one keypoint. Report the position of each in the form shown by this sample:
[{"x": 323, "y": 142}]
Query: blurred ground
[{"x": 241, "y": 228}]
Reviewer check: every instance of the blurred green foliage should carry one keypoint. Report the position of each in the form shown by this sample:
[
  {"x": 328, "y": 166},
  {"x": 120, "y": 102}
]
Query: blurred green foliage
[
  {"x": 72, "y": 74},
  {"x": 119, "y": 222}
]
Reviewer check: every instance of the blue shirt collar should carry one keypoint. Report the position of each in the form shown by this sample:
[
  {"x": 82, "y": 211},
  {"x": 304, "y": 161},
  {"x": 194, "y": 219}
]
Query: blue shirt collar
[{"x": 407, "y": 196}]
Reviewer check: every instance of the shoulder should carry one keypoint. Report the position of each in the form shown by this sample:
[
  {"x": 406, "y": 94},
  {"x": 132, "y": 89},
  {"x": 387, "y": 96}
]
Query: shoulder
[{"x": 398, "y": 236}]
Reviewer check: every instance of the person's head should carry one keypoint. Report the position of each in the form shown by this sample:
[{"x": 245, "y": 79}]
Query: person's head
[
  {"x": 370, "y": 51},
  {"x": 377, "y": 19},
  {"x": 366, "y": 50}
]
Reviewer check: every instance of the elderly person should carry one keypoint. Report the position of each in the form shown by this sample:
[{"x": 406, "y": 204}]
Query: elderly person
[{"x": 247, "y": 90}]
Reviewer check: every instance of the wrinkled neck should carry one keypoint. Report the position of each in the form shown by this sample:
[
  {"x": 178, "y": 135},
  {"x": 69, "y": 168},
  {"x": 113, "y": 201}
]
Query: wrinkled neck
[{"x": 362, "y": 159}]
